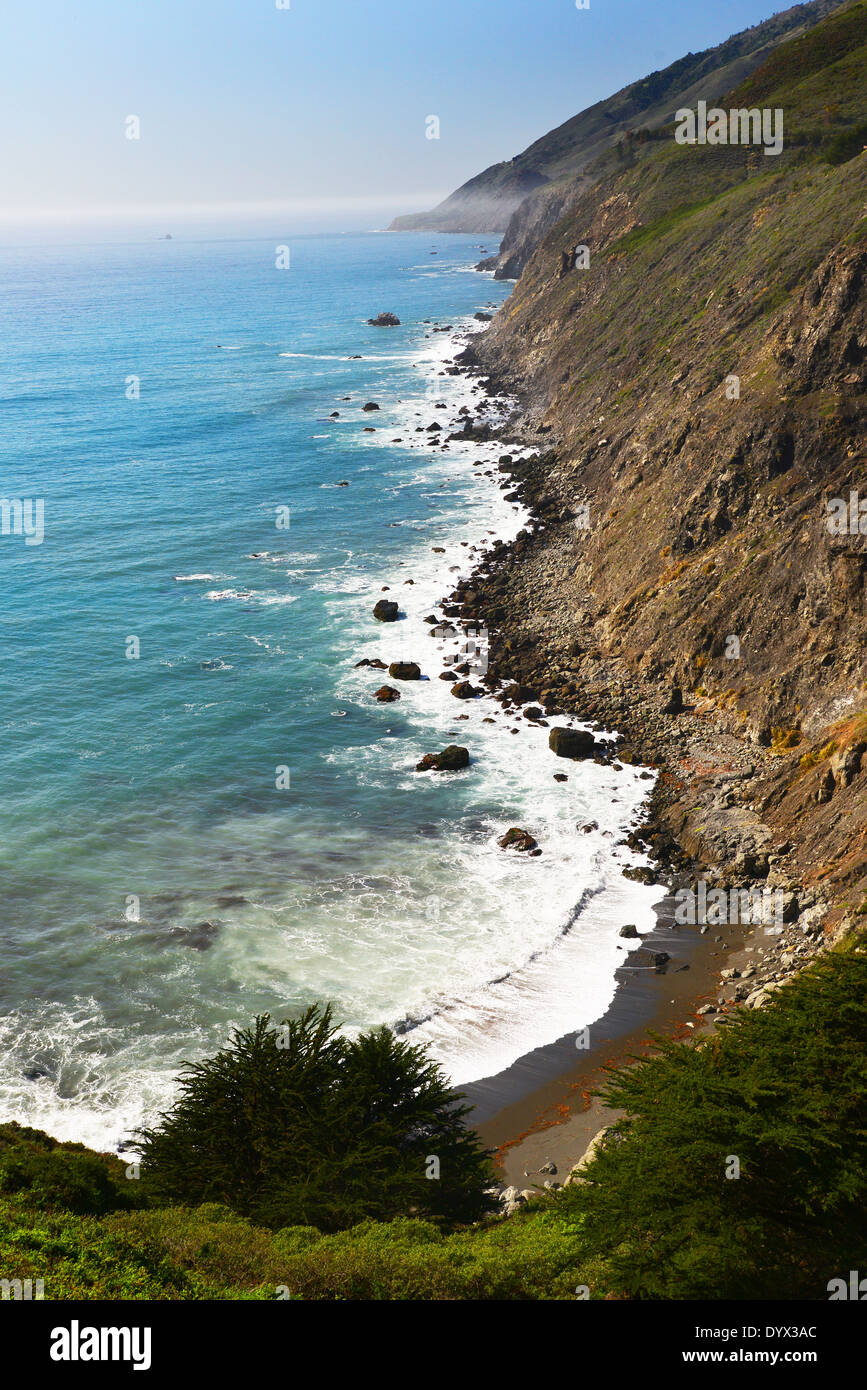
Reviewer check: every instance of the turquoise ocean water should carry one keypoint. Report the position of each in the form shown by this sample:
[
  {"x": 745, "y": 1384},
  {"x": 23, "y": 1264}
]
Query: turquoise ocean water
[{"x": 169, "y": 402}]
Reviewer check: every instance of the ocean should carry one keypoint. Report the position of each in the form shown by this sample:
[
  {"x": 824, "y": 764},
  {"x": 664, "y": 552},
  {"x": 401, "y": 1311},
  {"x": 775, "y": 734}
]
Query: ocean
[{"x": 204, "y": 814}]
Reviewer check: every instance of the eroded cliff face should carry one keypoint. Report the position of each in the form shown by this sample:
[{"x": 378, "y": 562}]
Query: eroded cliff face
[
  {"x": 701, "y": 393},
  {"x": 705, "y": 438}
]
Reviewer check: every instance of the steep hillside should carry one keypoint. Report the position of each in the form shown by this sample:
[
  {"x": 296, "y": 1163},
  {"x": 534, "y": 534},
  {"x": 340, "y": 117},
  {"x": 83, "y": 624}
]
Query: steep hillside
[
  {"x": 703, "y": 389},
  {"x": 562, "y": 157}
]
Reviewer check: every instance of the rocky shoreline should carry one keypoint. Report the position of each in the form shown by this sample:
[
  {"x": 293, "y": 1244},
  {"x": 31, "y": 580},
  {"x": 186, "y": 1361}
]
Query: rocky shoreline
[{"x": 706, "y": 819}]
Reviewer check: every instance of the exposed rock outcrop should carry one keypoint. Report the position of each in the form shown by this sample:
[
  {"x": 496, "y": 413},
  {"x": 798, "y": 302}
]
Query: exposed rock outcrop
[{"x": 451, "y": 759}]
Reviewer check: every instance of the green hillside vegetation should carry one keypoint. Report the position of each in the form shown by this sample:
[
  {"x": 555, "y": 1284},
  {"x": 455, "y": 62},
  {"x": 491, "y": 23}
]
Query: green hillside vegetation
[
  {"x": 782, "y": 1089},
  {"x": 569, "y": 153}
]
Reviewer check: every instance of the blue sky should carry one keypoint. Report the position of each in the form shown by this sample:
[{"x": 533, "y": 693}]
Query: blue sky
[{"x": 321, "y": 106}]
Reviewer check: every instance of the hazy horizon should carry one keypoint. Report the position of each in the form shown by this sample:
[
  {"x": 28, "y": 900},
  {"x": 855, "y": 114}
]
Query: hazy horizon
[{"x": 215, "y": 113}]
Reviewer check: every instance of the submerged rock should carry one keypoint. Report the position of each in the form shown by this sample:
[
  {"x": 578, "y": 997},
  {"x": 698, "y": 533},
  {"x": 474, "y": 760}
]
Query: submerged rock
[
  {"x": 200, "y": 937},
  {"x": 518, "y": 839}
]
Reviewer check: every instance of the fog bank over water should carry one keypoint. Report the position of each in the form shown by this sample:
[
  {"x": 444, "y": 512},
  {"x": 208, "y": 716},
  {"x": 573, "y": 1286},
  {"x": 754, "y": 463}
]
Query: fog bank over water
[{"x": 203, "y": 221}]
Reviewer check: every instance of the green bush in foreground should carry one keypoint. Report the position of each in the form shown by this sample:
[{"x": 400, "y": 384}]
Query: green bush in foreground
[
  {"x": 52, "y": 1175},
  {"x": 209, "y": 1252},
  {"x": 300, "y": 1126},
  {"x": 778, "y": 1095}
]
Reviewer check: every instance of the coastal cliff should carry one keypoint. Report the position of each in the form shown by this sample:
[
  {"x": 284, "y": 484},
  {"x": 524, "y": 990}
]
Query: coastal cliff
[
  {"x": 697, "y": 382},
  {"x": 553, "y": 165}
]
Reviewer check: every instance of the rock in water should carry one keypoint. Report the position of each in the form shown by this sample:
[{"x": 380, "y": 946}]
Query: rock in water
[
  {"x": 386, "y": 694},
  {"x": 405, "y": 671},
  {"x": 451, "y": 759},
  {"x": 572, "y": 743},
  {"x": 518, "y": 839},
  {"x": 464, "y": 690},
  {"x": 386, "y": 611},
  {"x": 385, "y": 321},
  {"x": 629, "y": 931}
]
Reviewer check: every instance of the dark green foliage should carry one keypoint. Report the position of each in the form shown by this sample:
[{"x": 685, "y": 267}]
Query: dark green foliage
[
  {"x": 820, "y": 48},
  {"x": 53, "y": 1176},
  {"x": 846, "y": 145},
  {"x": 784, "y": 1090},
  {"x": 299, "y": 1126}
]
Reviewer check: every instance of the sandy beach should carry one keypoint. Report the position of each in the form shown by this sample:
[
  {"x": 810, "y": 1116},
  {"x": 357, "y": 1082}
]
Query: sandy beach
[{"x": 542, "y": 1109}]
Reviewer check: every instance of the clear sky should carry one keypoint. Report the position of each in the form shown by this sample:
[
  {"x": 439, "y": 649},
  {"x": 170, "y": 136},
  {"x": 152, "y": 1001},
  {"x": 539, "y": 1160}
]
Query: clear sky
[{"x": 321, "y": 106}]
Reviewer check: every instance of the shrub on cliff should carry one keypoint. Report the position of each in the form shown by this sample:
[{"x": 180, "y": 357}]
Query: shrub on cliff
[
  {"x": 50, "y": 1176},
  {"x": 300, "y": 1126},
  {"x": 740, "y": 1170},
  {"x": 846, "y": 145}
]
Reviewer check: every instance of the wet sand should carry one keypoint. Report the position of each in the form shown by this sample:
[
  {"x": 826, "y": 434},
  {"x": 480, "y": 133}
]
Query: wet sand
[{"x": 541, "y": 1109}]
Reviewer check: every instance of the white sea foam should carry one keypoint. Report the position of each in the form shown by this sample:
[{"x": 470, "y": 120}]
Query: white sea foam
[
  {"x": 537, "y": 945},
  {"x": 263, "y": 600}
]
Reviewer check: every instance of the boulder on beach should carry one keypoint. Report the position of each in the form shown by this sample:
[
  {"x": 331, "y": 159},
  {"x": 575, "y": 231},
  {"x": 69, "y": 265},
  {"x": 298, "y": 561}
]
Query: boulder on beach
[
  {"x": 519, "y": 694},
  {"x": 386, "y": 694},
  {"x": 659, "y": 960},
  {"x": 674, "y": 703},
  {"x": 451, "y": 759},
  {"x": 386, "y": 611},
  {"x": 385, "y": 321},
  {"x": 592, "y": 1150},
  {"x": 405, "y": 671},
  {"x": 571, "y": 743},
  {"x": 640, "y": 873},
  {"x": 518, "y": 839},
  {"x": 464, "y": 690}
]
